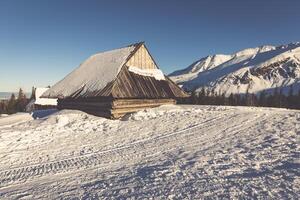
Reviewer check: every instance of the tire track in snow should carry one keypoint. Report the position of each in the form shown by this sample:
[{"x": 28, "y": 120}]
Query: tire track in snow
[
  {"x": 78, "y": 162},
  {"x": 148, "y": 146},
  {"x": 189, "y": 139}
]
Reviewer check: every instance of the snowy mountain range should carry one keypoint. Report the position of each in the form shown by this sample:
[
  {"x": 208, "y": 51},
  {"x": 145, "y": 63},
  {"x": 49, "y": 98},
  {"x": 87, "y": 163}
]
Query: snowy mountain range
[{"x": 254, "y": 70}]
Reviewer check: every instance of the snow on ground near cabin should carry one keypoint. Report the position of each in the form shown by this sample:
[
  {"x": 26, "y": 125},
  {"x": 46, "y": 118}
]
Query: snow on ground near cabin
[
  {"x": 167, "y": 152},
  {"x": 8, "y": 120}
]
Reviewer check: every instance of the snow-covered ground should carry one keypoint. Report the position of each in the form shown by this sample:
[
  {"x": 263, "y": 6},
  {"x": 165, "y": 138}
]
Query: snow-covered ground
[
  {"x": 9, "y": 120},
  {"x": 170, "y": 152}
]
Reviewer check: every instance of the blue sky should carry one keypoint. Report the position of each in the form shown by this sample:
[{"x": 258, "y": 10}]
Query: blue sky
[{"x": 42, "y": 41}]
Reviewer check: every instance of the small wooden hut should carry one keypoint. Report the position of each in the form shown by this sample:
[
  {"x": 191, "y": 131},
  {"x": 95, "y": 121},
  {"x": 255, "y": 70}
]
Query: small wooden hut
[
  {"x": 39, "y": 103},
  {"x": 116, "y": 82}
]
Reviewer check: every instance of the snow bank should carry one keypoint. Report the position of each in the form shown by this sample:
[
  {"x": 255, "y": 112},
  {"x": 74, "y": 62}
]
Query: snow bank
[
  {"x": 156, "y": 73},
  {"x": 9, "y": 120},
  {"x": 153, "y": 113}
]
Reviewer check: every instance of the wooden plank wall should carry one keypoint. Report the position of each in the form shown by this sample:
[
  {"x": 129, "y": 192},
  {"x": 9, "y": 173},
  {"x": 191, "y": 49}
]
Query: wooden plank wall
[
  {"x": 142, "y": 59},
  {"x": 177, "y": 91},
  {"x": 131, "y": 85}
]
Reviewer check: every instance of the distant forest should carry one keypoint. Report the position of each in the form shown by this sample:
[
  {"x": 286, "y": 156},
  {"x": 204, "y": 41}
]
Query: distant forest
[
  {"x": 16, "y": 104},
  {"x": 277, "y": 99}
]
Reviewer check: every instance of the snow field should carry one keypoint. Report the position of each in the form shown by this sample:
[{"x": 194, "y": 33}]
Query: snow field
[{"x": 170, "y": 152}]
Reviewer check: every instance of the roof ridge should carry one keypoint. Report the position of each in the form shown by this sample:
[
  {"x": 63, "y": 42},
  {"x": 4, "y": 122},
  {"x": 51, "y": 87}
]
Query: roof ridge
[
  {"x": 130, "y": 45},
  {"x": 136, "y": 44}
]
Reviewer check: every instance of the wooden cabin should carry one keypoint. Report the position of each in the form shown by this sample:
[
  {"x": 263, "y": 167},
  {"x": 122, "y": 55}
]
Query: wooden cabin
[
  {"x": 40, "y": 103},
  {"x": 116, "y": 82}
]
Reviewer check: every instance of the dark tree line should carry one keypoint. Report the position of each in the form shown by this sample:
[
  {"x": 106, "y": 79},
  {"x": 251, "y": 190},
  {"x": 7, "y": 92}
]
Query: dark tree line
[
  {"x": 276, "y": 99},
  {"x": 16, "y": 104}
]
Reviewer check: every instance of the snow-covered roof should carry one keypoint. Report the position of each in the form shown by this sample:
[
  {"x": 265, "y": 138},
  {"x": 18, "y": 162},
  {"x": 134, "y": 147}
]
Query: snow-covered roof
[
  {"x": 43, "y": 101},
  {"x": 93, "y": 74}
]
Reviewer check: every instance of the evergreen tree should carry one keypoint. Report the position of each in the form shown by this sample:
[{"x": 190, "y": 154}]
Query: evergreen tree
[
  {"x": 194, "y": 97},
  {"x": 269, "y": 101},
  {"x": 251, "y": 100},
  {"x": 291, "y": 98},
  {"x": 283, "y": 101},
  {"x": 212, "y": 98},
  {"x": 32, "y": 93},
  {"x": 11, "y": 106},
  {"x": 239, "y": 99},
  {"x": 202, "y": 97},
  {"x": 231, "y": 100},
  {"x": 275, "y": 99},
  {"x": 297, "y": 104},
  {"x": 1, "y": 107},
  {"x": 262, "y": 98},
  {"x": 225, "y": 100},
  {"x": 243, "y": 99},
  {"x": 21, "y": 101}
]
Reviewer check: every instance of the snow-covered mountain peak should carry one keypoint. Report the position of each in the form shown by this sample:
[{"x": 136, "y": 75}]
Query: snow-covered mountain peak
[
  {"x": 203, "y": 64},
  {"x": 244, "y": 52},
  {"x": 210, "y": 62},
  {"x": 252, "y": 69},
  {"x": 253, "y": 51},
  {"x": 266, "y": 48},
  {"x": 289, "y": 46}
]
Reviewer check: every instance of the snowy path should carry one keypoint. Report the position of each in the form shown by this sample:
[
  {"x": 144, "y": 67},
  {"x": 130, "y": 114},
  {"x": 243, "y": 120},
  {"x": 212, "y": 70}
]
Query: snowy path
[
  {"x": 168, "y": 152},
  {"x": 14, "y": 119}
]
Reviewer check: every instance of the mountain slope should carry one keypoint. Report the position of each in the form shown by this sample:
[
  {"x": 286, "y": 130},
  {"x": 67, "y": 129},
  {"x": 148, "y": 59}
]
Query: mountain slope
[{"x": 254, "y": 70}]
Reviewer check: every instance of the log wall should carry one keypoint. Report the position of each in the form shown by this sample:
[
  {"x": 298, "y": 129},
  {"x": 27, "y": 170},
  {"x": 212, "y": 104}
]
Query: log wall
[{"x": 113, "y": 109}]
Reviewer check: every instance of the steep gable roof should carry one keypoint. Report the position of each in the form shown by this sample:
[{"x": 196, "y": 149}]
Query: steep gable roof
[
  {"x": 93, "y": 74},
  {"x": 128, "y": 72}
]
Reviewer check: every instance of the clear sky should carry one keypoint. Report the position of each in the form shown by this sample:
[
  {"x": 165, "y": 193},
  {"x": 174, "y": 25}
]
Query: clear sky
[{"x": 43, "y": 40}]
